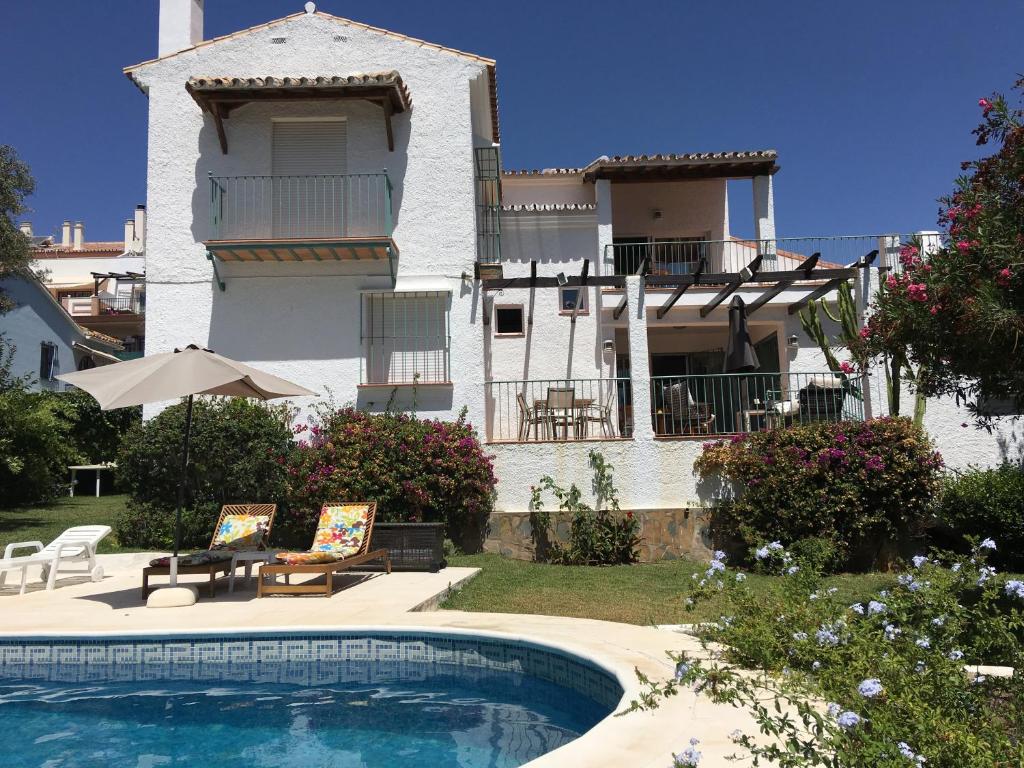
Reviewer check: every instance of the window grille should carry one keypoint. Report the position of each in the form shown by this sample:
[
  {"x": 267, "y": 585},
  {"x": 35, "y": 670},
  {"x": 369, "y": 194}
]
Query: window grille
[
  {"x": 488, "y": 205},
  {"x": 405, "y": 338}
]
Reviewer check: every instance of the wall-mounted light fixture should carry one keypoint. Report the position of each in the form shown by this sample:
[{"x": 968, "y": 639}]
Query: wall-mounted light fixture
[
  {"x": 793, "y": 342},
  {"x": 609, "y": 347},
  {"x": 561, "y": 278}
]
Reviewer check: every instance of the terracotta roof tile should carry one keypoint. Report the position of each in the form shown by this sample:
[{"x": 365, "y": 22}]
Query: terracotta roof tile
[
  {"x": 548, "y": 207},
  {"x": 391, "y": 78}
]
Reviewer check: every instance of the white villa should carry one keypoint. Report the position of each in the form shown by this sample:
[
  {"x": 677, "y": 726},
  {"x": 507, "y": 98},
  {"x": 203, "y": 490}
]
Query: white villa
[{"x": 327, "y": 200}]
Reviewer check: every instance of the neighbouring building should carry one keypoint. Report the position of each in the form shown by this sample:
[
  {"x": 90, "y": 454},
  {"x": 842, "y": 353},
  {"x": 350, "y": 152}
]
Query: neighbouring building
[
  {"x": 100, "y": 284},
  {"x": 327, "y": 201},
  {"x": 46, "y": 340}
]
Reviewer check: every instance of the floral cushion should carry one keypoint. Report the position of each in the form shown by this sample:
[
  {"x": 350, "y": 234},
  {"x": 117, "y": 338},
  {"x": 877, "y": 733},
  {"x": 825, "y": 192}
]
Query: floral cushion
[
  {"x": 339, "y": 534},
  {"x": 241, "y": 532},
  {"x": 207, "y": 557}
]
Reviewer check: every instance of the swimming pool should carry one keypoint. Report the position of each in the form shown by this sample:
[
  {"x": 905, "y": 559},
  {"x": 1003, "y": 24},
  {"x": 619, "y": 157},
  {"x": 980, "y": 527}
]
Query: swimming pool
[{"x": 340, "y": 699}]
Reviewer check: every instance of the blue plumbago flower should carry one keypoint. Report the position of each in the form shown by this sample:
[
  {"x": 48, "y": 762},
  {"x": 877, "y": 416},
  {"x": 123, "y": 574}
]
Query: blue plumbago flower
[
  {"x": 884, "y": 593},
  {"x": 719, "y": 584},
  {"x": 799, "y": 636},
  {"x": 919, "y": 667},
  {"x": 826, "y": 636},
  {"x": 834, "y": 710},
  {"x": 716, "y": 565},
  {"x": 792, "y": 569},
  {"x": 875, "y": 607},
  {"x": 719, "y": 555},
  {"x": 870, "y": 687},
  {"x": 689, "y": 756},
  {"x": 1015, "y": 588},
  {"x": 848, "y": 719},
  {"x": 761, "y": 553},
  {"x": 693, "y": 576},
  {"x": 816, "y": 666},
  {"x": 727, "y": 620},
  {"x": 741, "y": 577},
  {"x": 682, "y": 670},
  {"x": 987, "y": 544},
  {"x": 832, "y": 590},
  {"x": 985, "y": 573},
  {"x": 812, "y": 596},
  {"x": 857, "y": 608},
  {"x": 891, "y": 631},
  {"x": 955, "y": 655},
  {"x": 923, "y": 642},
  {"x": 919, "y": 560},
  {"x": 955, "y": 568},
  {"x": 939, "y": 621},
  {"x": 775, "y": 546}
]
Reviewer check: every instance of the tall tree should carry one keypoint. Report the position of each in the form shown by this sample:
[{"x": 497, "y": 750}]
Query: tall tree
[
  {"x": 16, "y": 184},
  {"x": 958, "y": 310}
]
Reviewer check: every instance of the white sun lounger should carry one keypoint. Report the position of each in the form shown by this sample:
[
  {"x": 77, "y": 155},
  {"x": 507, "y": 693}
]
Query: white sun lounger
[{"x": 75, "y": 545}]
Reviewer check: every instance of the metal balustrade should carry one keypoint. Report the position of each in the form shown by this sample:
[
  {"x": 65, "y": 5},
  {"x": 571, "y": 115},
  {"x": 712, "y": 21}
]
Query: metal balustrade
[
  {"x": 261, "y": 208},
  {"x": 522, "y": 411},
  {"x": 122, "y": 305},
  {"x": 730, "y": 403},
  {"x": 681, "y": 256}
]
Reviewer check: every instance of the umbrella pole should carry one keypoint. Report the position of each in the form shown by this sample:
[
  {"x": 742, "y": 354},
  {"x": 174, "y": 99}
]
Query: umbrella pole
[{"x": 181, "y": 491}]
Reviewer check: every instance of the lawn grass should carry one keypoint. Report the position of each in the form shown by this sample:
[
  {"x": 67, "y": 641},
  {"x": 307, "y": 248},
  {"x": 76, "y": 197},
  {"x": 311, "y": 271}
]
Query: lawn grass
[
  {"x": 45, "y": 522},
  {"x": 649, "y": 593}
]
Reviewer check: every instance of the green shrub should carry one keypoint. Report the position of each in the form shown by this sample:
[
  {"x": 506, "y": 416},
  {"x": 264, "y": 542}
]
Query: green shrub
[
  {"x": 415, "y": 469},
  {"x": 596, "y": 537},
  {"x": 864, "y": 486},
  {"x": 35, "y": 448},
  {"x": 987, "y": 502},
  {"x": 891, "y": 667},
  {"x": 96, "y": 434},
  {"x": 238, "y": 455}
]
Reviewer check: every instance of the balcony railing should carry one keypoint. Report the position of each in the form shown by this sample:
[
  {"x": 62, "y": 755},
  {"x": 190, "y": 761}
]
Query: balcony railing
[
  {"x": 268, "y": 208},
  {"x": 720, "y": 404},
  {"x": 122, "y": 305},
  {"x": 680, "y": 257},
  {"x": 559, "y": 409}
]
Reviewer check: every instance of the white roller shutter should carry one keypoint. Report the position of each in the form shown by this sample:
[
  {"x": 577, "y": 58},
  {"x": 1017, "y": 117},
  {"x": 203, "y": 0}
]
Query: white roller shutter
[{"x": 309, "y": 160}]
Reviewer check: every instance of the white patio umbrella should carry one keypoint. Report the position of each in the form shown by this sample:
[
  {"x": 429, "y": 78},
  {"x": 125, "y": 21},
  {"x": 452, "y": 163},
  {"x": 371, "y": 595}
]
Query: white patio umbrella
[{"x": 172, "y": 375}]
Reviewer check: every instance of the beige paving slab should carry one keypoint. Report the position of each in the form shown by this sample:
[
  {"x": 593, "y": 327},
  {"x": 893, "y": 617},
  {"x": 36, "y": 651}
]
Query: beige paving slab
[{"x": 398, "y": 600}]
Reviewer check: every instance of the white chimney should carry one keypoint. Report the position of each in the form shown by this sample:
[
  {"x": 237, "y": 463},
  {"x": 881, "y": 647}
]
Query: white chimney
[
  {"x": 79, "y": 235},
  {"x": 181, "y": 25},
  {"x": 26, "y": 228},
  {"x": 140, "y": 229},
  {"x": 129, "y": 235},
  {"x": 65, "y": 235}
]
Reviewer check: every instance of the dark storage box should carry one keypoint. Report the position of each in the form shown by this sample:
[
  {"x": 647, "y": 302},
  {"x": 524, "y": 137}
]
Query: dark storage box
[{"x": 412, "y": 546}]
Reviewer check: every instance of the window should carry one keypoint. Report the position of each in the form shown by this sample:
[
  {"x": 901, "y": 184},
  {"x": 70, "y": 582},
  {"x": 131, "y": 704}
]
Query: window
[
  {"x": 567, "y": 298},
  {"x": 405, "y": 338},
  {"x": 508, "y": 320},
  {"x": 47, "y": 361}
]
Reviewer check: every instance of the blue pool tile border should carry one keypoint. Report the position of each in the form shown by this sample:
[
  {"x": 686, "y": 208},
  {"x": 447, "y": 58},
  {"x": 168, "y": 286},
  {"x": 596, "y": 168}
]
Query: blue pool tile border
[{"x": 296, "y": 657}]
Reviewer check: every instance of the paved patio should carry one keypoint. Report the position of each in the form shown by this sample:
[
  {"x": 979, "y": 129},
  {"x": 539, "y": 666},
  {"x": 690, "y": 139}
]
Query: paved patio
[{"x": 639, "y": 740}]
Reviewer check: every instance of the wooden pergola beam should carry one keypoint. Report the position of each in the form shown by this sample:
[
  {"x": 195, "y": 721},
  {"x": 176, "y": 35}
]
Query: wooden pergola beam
[
  {"x": 862, "y": 263},
  {"x": 617, "y": 312},
  {"x": 664, "y": 308},
  {"x": 745, "y": 275},
  {"x": 805, "y": 267},
  {"x": 218, "y": 122}
]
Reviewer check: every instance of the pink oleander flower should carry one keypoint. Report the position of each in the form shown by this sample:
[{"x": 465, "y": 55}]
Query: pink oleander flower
[
  {"x": 934, "y": 310},
  {"x": 865, "y": 332},
  {"x": 891, "y": 282},
  {"x": 846, "y": 367},
  {"x": 1003, "y": 277},
  {"x": 917, "y": 292},
  {"x": 986, "y": 106}
]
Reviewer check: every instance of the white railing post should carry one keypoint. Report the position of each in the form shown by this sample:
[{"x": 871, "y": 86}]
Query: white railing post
[{"x": 639, "y": 359}]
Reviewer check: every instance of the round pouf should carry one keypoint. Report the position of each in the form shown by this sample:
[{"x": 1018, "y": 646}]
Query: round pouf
[{"x": 172, "y": 597}]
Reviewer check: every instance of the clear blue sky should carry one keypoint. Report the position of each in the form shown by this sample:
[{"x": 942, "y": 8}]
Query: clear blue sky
[{"x": 870, "y": 104}]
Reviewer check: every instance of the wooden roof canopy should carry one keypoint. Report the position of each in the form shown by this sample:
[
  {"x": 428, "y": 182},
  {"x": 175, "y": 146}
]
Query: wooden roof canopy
[
  {"x": 697, "y": 165},
  {"x": 219, "y": 95}
]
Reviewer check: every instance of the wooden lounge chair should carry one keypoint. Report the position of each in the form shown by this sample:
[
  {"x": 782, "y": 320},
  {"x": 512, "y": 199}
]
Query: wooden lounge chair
[
  {"x": 342, "y": 541},
  {"x": 240, "y": 527}
]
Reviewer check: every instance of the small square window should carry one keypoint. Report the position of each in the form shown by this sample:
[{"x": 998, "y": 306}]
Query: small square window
[
  {"x": 567, "y": 298},
  {"x": 508, "y": 320}
]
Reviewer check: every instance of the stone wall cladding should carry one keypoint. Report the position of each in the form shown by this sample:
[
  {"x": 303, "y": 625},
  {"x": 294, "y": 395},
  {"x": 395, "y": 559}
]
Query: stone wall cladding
[{"x": 667, "y": 534}]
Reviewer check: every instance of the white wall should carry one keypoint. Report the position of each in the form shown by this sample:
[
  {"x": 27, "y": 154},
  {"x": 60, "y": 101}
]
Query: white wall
[
  {"x": 62, "y": 269},
  {"x": 301, "y": 321},
  {"x": 688, "y": 209}
]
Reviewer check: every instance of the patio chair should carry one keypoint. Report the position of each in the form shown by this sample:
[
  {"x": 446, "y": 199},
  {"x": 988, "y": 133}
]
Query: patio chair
[
  {"x": 342, "y": 541},
  {"x": 528, "y": 417},
  {"x": 240, "y": 528},
  {"x": 560, "y": 409},
  {"x": 75, "y": 545},
  {"x": 599, "y": 412},
  {"x": 693, "y": 418}
]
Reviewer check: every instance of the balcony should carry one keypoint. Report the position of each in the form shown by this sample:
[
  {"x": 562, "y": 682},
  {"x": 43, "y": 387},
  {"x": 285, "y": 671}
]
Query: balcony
[
  {"x": 731, "y": 403},
  {"x": 302, "y": 218},
  {"x": 558, "y": 410},
  {"x": 683, "y": 256}
]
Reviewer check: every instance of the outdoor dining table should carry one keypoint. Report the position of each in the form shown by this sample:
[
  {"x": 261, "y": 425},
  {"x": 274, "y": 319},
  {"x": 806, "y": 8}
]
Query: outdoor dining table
[{"x": 580, "y": 406}]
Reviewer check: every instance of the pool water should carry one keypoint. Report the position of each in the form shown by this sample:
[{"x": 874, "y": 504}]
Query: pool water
[{"x": 395, "y": 715}]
